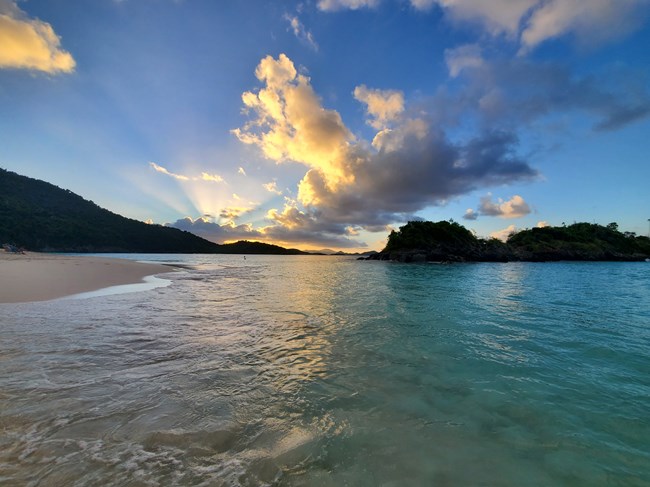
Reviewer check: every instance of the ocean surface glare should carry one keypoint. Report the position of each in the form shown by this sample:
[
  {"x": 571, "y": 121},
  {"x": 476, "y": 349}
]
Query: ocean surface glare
[{"x": 327, "y": 371}]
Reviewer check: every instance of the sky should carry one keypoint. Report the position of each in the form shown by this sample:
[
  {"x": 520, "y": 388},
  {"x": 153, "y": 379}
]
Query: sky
[{"x": 325, "y": 124}]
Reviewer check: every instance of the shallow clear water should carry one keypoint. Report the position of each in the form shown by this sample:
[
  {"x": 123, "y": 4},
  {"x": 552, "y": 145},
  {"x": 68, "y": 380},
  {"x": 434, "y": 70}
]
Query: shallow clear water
[{"x": 309, "y": 371}]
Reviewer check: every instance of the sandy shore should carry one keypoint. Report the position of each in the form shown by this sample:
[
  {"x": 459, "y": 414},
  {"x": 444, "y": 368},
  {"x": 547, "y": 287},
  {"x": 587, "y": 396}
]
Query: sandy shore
[{"x": 40, "y": 277}]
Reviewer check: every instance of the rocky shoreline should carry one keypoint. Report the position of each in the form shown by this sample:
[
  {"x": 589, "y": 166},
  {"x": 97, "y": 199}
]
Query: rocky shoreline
[{"x": 415, "y": 255}]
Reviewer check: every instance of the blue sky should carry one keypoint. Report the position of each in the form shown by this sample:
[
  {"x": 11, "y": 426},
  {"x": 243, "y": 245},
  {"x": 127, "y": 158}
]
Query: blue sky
[{"x": 324, "y": 124}]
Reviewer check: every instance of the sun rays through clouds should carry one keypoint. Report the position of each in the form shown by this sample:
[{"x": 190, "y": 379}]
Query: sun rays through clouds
[
  {"x": 351, "y": 183},
  {"x": 323, "y": 124}
]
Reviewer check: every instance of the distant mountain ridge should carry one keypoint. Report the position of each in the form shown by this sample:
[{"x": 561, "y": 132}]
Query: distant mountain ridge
[{"x": 40, "y": 216}]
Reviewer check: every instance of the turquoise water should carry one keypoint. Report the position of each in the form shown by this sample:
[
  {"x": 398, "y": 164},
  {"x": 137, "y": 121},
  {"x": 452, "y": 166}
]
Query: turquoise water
[{"x": 327, "y": 371}]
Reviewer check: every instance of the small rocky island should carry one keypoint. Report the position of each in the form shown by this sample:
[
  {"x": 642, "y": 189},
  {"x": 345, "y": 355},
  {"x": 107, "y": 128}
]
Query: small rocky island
[{"x": 448, "y": 241}]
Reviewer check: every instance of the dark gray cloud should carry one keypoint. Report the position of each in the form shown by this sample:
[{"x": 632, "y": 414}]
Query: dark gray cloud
[
  {"x": 625, "y": 115},
  {"x": 314, "y": 236},
  {"x": 307, "y": 229},
  {"x": 400, "y": 179},
  {"x": 310, "y": 225},
  {"x": 411, "y": 163},
  {"x": 470, "y": 215},
  {"x": 215, "y": 232},
  {"x": 392, "y": 186},
  {"x": 515, "y": 91}
]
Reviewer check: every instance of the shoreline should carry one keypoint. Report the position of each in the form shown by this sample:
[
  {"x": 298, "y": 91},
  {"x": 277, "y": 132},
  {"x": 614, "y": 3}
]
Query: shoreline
[{"x": 34, "y": 276}]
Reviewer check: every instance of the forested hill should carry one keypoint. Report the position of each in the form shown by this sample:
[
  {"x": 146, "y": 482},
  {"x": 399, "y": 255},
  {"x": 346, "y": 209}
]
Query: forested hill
[
  {"x": 420, "y": 241},
  {"x": 39, "y": 216}
]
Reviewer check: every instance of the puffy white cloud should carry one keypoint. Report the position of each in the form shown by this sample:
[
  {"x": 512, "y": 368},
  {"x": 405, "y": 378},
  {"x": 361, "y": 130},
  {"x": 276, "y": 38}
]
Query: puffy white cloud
[
  {"x": 27, "y": 43},
  {"x": 241, "y": 171},
  {"x": 542, "y": 224},
  {"x": 384, "y": 106},
  {"x": 300, "y": 31},
  {"x": 334, "y": 5},
  {"x": 504, "y": 233},
  {"x": 515, "y": 207}
]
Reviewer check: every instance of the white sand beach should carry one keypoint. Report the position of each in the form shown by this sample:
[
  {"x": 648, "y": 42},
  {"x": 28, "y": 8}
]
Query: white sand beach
[{"x": 41, "y": 277}]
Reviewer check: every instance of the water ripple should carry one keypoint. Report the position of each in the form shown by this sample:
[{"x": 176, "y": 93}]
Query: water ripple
[{"x": 326, "y": 371}]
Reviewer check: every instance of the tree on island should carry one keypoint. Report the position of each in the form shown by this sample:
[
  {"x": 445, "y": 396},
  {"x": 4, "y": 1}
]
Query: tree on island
[{"x": 450, "y": 241}]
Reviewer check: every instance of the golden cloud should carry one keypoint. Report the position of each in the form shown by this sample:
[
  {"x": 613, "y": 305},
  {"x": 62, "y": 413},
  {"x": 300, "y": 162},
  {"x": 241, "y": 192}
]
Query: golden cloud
[
  {"x": 290, "y": 123},
  {"x": 272, "y": 187},
  {"x": 30, "y": 43},
  {"x": 384, "y": 106},
  {"x": 290, "y": 217},
  {"x": 215, "y": 178}
]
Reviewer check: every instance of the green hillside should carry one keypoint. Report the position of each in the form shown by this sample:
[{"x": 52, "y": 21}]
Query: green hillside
[
  {"x": 580, "y": 241},
  {"x": 39, "y": 216},
  {"x": 43, "y": 217},
  {"x": 419, "y": 241}
]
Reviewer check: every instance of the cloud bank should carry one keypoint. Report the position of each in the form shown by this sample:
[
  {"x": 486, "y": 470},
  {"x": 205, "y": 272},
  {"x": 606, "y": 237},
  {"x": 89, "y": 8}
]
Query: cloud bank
[
  {"x": 409, "y": 165},
  {"x": 204, "y": 227},
  {"x": 30, "y": 43},
  {"x": 298, "y": 230},
  {"x": 531, "y": 22},
  {"x": 517, "y": 91}
]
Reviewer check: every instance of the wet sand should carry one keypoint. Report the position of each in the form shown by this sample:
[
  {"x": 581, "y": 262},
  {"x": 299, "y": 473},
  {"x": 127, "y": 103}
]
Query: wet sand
[{"x": 41, "y": 277}]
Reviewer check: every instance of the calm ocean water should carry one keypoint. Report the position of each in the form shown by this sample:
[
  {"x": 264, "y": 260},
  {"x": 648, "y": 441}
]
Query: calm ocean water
[{"x": 326, "y": 371}]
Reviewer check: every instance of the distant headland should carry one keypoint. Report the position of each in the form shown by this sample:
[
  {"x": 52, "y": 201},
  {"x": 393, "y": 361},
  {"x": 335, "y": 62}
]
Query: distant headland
[{"x": 448, "y": 241}]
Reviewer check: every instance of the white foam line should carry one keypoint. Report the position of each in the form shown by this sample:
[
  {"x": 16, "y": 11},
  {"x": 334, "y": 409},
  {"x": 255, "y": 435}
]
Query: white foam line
[{"x": 150, "y": 282}]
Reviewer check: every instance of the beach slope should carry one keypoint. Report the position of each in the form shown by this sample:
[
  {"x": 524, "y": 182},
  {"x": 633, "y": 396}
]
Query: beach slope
[{"x": 41, "y": 277}]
